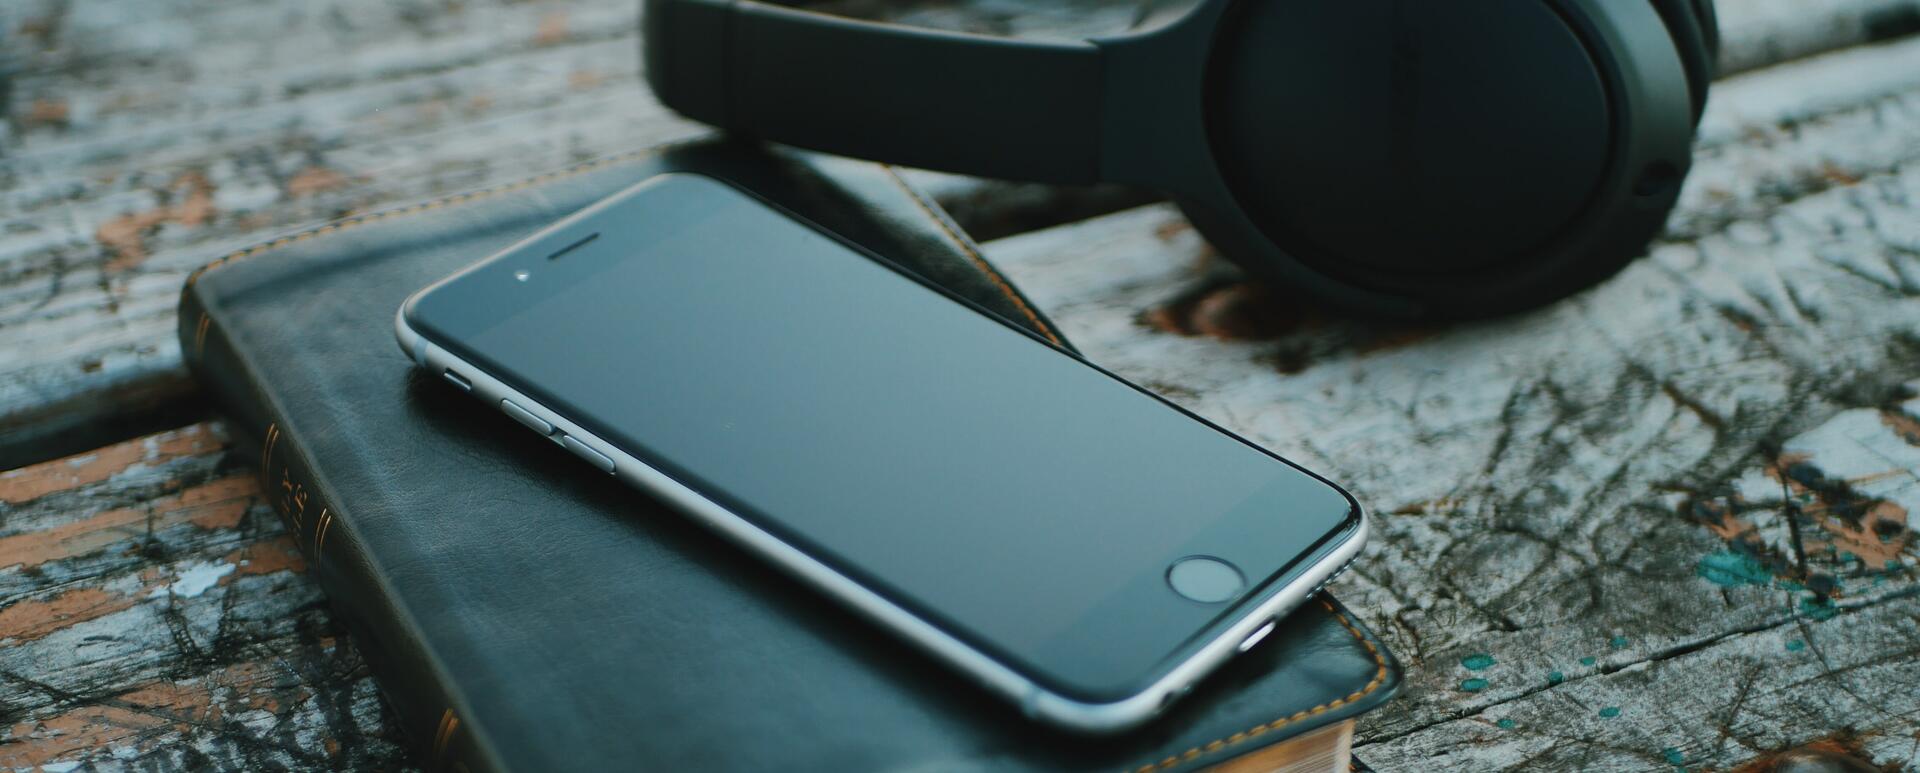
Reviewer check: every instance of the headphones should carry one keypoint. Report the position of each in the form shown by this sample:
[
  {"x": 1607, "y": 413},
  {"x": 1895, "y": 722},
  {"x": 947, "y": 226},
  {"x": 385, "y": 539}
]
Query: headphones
[{"x": 1446, "y": 158}]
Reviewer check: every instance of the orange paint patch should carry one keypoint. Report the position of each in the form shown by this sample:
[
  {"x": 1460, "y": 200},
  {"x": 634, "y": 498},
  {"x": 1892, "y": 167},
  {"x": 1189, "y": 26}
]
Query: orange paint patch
[
  {"x": 1438, "y": 506},
  {"x": 27, "y": 483},
  {"x": 313, "y": 180},
  {"x": 1877, "y": 537},
  {"x": 280, "y": 554},
  {"x": 191, "y": 439},
  {"x": 85, "y": 733},
  {"x": 1907, "y": 427},
  {"x": 215, "y": 505},
  {"x": 184, "y": 701},
  {"x": 29, "y": 620},
  {"x": 552, "y": 29},
  {"x": 1396, "y": 337},
  {"x": 257, "y": 685},
  {"x": 1777, "y": 471},
  {"x": 78, "y": 538},
  {"x": 583, "y": 80},
  {"x": 71, "y": 736},
  {"x": 1231, "y": 312},
  {"x": 47, "y": 112},
  {"x": 1834, "y": 174},
  {"x": 1843, "y": 751},
  {"x": 1880, "y": 539},
  {"x": 126, "y": 236},
  {"x": 190, "y": 203},
  {"x": 1720, "y": 519},
  {"x": 196, "y": 207}
]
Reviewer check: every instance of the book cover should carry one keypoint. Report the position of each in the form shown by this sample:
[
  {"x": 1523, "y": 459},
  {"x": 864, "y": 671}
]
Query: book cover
[{"x": 522, "y": 614}]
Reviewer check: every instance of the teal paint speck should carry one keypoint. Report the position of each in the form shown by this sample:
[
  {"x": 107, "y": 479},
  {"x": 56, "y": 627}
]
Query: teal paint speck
[
  {"x": 1477, "y": 662},
  {"x": 1673, "y": 755},
  {"x": 1618, "y": 642},
  {"x": 1474, "y": 685},
  {"x": 1796, "y": 645},
  {"x": 1818, "y": 608},
  {"x": 1610, "y": 712},
  {"x": 1505, "y": 724},
  {"x": 1587, "y": 661},
  {"x": 1555, "y": 677},
  {"x": 1729, "y": 569}
]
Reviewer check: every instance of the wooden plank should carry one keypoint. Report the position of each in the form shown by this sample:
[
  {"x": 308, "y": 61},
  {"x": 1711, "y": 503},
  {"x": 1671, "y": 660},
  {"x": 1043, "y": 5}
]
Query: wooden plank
[
  {"x": 146, "y": 138},
  {"x": 1759, "y": 33},
  {"x": 1639, "y": 498},
  {"x": 153, "y": 614},
  {"x": 1697, "y": 476},
  {"x": 348, "y": 106}
]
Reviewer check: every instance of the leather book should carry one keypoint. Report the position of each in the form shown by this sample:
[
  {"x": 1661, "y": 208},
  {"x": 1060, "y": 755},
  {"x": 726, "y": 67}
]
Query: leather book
[{"x": 522, "y": 613}]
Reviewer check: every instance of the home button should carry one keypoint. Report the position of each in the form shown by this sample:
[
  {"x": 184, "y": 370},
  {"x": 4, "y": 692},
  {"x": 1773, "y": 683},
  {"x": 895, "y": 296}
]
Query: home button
[{"x": 1205, "y": 579}]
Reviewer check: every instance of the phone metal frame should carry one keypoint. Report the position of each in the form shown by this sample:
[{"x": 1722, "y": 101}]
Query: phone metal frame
[{"x": 1035, "y": 700}]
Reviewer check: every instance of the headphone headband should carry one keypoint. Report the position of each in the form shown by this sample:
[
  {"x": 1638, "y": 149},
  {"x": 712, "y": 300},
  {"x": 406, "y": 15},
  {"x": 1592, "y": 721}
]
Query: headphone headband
[
  {"x": 1389, "y": 155},
  {"x": 990, "y": 106}
]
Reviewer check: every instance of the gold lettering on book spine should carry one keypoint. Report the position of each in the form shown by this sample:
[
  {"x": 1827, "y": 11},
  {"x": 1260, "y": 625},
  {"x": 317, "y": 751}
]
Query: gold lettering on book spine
[
  {"x": 442, "y": 737},
  {"x": 292, "y": 497},
  {"x": 320, "y": 529},
  {"x": 200, "y": 335},
  {"x": 266, "y": 448}
]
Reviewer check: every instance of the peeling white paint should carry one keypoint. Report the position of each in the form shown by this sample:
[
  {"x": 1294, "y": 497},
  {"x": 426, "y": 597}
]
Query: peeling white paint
[{"x": 196, "y": 579}]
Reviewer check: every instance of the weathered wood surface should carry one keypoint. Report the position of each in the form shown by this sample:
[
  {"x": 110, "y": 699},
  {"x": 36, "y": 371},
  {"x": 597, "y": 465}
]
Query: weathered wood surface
[
  {"x": 1663, "y": 496},
  {"x": 143, "y": 138},
  {"x": 154, "y": 615},
  {"x": 1664, "y": 521}
]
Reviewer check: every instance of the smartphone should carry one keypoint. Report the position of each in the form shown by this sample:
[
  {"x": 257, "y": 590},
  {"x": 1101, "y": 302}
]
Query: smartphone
[{"x": 1070, "y": 540}]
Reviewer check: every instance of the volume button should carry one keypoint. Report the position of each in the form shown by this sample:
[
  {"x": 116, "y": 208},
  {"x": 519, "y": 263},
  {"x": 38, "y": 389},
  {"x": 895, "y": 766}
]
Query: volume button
[
  {"x": 593, "y": 457},
  {"x": 526, "y": 417}
]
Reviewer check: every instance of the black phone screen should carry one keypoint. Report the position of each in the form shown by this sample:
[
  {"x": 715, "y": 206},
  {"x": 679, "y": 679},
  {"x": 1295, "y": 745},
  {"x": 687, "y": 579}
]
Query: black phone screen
[{"x": 1024, "y": 500}]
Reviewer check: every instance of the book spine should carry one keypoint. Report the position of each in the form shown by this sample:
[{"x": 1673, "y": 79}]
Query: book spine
[{"x": 322, "y": 525}]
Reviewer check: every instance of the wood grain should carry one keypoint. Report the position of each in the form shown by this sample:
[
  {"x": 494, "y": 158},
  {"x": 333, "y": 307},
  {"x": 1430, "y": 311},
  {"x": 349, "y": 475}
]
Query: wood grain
[
  {"x": 1667, "y": 517},
  {"x": 154, "y": 615},
  {"x": 1666, "y": 523},
  {"x": 143, "y": 139}
]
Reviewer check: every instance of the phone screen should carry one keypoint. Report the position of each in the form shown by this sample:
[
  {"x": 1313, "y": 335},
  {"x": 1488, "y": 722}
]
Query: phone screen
[{"x": 1023, "y": 500}]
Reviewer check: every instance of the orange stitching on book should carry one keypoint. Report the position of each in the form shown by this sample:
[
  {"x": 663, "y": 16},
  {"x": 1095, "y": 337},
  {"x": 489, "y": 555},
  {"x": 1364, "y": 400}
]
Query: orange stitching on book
[
  {"x": 424, "y": 206},
  {"x": 1379, "y": 678},
  {"x": 974, "y": 255}
]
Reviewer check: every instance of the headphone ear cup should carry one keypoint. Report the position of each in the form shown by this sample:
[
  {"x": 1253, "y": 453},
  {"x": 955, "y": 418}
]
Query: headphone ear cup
[
  {"x": 1695, "y": 30},
  {"x": 1710, "y": 25}
]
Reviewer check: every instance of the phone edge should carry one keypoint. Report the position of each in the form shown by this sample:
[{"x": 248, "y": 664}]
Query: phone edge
[{"x": 1035, "y": 700}]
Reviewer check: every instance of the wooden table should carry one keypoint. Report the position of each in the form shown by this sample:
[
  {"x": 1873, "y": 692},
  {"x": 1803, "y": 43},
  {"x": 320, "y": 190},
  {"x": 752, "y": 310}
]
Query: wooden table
[{"x": 1664, "y": 523}]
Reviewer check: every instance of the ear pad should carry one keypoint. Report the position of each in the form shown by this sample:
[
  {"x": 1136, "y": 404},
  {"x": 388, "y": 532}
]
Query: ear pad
[
  {"x": 1407, "y": 137},
  {"x": 1696, "y": 35}
]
